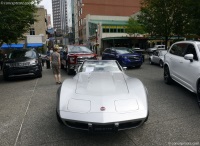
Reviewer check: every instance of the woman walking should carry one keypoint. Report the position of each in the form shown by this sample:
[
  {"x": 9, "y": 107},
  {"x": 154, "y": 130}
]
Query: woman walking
[{"x": 55, "y": 63}]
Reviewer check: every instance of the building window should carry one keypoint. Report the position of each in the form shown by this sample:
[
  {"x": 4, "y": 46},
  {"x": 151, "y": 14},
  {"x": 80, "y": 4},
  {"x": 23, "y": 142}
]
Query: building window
[
  {"x": 106, "y": 30},
  {"x": 120, "y": 30},
  {"x": 81, "y": 21},
  {"x": 81, "y": 10},
  {"x": 32, "y": 31},
  {"x": 79, "y": 13}
]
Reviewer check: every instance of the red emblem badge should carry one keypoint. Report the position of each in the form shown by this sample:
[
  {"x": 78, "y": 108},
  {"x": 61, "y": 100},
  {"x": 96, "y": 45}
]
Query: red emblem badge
[{"x": 102, "y": 108}]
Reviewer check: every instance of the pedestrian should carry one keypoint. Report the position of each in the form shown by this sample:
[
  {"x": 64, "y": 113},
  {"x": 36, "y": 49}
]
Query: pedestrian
[
  {"x": 2, "y": 57},
  {"x": 55, "y": 63}
]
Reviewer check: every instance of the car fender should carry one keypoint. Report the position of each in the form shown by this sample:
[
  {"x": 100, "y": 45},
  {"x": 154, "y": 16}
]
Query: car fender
[{"x": 139, "y": 91}]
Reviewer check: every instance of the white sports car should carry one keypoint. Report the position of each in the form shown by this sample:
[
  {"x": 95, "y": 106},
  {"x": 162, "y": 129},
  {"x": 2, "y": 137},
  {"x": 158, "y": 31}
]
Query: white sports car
[{"x": 102, "y": 98}]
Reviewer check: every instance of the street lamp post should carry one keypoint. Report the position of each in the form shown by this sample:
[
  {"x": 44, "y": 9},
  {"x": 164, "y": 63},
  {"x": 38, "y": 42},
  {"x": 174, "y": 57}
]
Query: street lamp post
[{"x": 96, "y": 41}]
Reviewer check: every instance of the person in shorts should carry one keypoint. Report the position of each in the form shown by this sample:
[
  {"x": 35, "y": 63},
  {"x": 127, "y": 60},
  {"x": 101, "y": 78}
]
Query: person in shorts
[{"x": 55, "y": 64}]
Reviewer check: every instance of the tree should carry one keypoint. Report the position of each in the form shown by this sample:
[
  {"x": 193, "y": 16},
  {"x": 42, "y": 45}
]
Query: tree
[
  {"x": 16, "y": 19},
  {"x": 164, "y": 18},
  {"x": 193, "y": 9},
  {"x": 134, "y": 27}
]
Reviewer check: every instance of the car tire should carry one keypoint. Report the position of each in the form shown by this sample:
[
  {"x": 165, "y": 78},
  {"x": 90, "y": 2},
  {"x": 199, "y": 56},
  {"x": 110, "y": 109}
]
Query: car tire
[
  {"x": 198, "y": 94},
  {"x": 5, "y": 77},
  {"x": 69, "y": 71},
  {"x": 138, "y": 66},
  {"x": 59, "y": 119},
  {"x": 39, "y": 74},
  {"x": 150, "y": 62},
  {"x": 167, "y": 77},
  {"x": 62, "y": 66},
  {"x": 161, "y": 63}
]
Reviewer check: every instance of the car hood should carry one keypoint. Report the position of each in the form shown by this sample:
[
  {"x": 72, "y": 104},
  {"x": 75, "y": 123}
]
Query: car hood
[{"x": 101, "y": 83}]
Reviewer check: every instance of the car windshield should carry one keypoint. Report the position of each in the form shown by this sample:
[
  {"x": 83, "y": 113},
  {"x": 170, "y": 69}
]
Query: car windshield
[
  {"x": 162, "y": 53},
  {"x": 124, "y": 50},
  {"x": 23, "y": 54},
  {"x": 79, "y": 49},
  {"x": 100, "y": 66}
]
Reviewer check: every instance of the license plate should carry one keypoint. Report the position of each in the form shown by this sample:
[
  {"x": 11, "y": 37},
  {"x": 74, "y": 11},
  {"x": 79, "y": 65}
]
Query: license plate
[{"x": 103, "y": 128}]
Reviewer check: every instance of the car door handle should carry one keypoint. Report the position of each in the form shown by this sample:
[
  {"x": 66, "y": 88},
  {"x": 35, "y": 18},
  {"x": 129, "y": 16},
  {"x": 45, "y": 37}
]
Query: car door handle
[{"x": 181, "y": 61}]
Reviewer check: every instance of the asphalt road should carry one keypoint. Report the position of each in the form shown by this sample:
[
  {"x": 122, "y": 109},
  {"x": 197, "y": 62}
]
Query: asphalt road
[{"x": 27, "y": 115}]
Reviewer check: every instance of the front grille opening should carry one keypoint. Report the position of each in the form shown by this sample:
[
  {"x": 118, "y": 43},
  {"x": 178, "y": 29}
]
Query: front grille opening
[
  {"x": 129, "y": 125},
  {"x": 77, "y": 125}
]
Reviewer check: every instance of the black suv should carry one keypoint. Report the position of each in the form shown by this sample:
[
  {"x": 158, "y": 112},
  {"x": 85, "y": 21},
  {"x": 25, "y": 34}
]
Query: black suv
[{"x": 22, "y": 62}]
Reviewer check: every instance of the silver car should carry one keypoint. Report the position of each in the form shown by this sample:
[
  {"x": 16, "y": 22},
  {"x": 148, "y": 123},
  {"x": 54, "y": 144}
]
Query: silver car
[
  {"x": 157, "y": 57},
  {"x": 102, "y": 98},
  {"x": 156, "y": 47}
]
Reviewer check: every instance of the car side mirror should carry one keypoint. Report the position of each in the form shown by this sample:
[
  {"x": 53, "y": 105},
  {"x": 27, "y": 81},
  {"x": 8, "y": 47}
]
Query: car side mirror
[{"x": 189, "y": 57}]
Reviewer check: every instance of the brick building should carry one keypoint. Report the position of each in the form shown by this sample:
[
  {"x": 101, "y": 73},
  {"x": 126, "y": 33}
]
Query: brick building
[{"x": 101, "y": 7}]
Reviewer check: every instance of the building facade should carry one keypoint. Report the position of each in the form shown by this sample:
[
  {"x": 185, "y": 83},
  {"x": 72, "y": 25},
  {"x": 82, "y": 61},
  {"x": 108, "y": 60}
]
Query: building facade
[
  {"x": 59, "y": 8},
  {"x": 49, "y": 23},
  {"x": 39, "y": 27},
  {"x": 70, "y": 20},
  {"x": 104, "y": 8}
]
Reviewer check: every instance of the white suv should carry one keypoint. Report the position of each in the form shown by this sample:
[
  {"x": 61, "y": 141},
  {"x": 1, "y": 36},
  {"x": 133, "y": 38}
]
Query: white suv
[{"x": 182, "y": 64}]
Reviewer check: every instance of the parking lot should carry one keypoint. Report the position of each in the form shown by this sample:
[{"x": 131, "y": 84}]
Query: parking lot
[{"x": 27, "y": 114}]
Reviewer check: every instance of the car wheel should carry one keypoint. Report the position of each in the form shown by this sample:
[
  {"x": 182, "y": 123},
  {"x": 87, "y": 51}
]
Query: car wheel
[
  {"x": 5, "y": 77},
  {"x": 161, "y": 63},
  {"x": 138, "y": 66},
  {"x": 59, "y": 119},
  {"x": 198, "y": 94},
  {"x": 69, "y": 71},
  {"x": 150, "y": 62},
  {"x": 39, "y": 74},
  {"x": 167, "y": 77},
  {"x": 62, "y": 66}
]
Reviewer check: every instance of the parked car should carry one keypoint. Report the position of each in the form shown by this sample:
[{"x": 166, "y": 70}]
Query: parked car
[
  {"x": 102, "y": 98},
  {"x": 182, "y": 64},
  {"x": 157, "y": 57},
  {"x": 22, "y": 62},
  {"x": 74, "y": 56},
  {"x": 140, "y": 51},
  {"x": 126, "y": 57},
  {"x": 151, "y": 50}
]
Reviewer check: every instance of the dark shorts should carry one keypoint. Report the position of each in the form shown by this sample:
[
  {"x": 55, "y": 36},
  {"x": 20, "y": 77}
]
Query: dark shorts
[{"x": 55, "y": 68}]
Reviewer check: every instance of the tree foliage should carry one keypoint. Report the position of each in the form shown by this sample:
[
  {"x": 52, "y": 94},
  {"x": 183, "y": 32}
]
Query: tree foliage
[
  {"x": 16, "y": 19},
  {"x": 166, "y": 18},
  {"x": 134, "y": 27}
]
